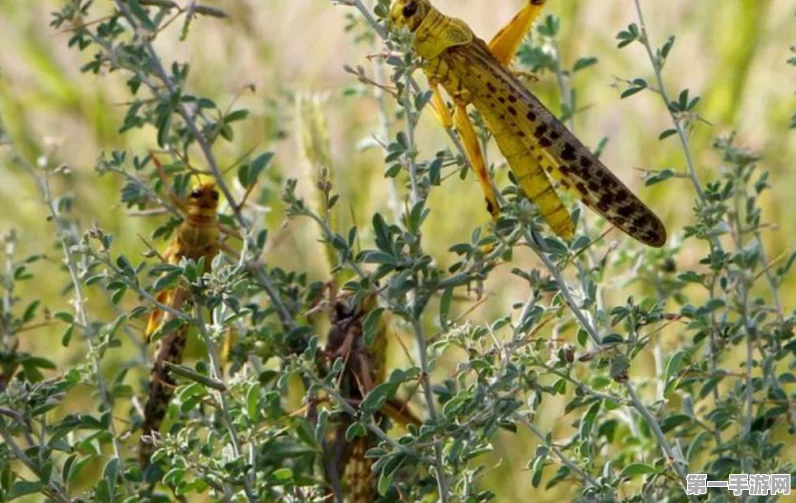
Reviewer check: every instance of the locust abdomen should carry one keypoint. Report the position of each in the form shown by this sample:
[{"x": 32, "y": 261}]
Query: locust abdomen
[{"x": 161, "y": 388}]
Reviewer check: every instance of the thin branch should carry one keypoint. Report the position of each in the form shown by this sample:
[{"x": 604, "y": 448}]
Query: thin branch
[
  {"x": 56, "y": 492},
  {"x": 588, "y": 479},
  {"x": 594, "y": 335},
  {"x": 218, "y": 374},
  {"x": 645, "y": 41},
  {"x": 79, "y": 303},
  {"x": 195, "y": 8}
]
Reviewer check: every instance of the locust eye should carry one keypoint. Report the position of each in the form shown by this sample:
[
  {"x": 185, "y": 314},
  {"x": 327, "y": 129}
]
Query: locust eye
[
  {"x": 196, "y": 194},
  {"x": 214, "y": 195},
  {"x": 410, "y": 9}
]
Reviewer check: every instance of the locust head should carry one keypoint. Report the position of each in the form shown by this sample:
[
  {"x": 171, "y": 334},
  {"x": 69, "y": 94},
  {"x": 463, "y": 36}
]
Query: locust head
[
  {"x": 408, "y": 13},
  {"x": 434, "y": 32},
  {"x": 203, "y": 198}
]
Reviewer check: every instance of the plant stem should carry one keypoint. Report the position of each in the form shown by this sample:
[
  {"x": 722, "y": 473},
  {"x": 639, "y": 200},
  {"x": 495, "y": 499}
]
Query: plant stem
[
  {"x": 677, "y": 462},
  {"x": 422, "y": 349},
  {"x": 593, "y": 334},
  {"x": 415, "y": 195},
  {"x": 58, "y": 493},
  {"x": 215, "y": 362},
  {"x": 64, "y": 234},
  {"x": 588, "y": 479},
  {"x": 645, "y": 40},
  {"x": 384, "y": 125}
]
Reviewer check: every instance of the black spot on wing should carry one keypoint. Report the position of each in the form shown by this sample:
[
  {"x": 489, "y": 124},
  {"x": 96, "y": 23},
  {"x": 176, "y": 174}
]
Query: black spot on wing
[{"x": 568, "y": 153}]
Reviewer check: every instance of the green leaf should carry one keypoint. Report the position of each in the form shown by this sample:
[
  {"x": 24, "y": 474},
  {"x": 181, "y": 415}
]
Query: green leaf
[
  {"x": 164, "y": 126},
  {"x": 67, "y": 336},
  {"x": 583, "y": 337},
  {"x": 659, "y": 177},
  {"x": 385, "y": 482},
  {"x": 117, "y": 295},
  {"x": 630, "y": 91},
  {"x": 674, "y": 421},
  {"x": 141, "y": 14},
  {"x": 402, "y": 140},
  {"x": 435, "y": 171},
  {"x": 667, "y": 133},
  {"x": 445, "y": 307},
  {"x": 237, "y": 115},
  {"x": 30, "y": 311},
  {"x": 378, "y": 257},
  {"x": 124, "y": 264},
  {"x": 173, "y": 476},
  {"x": 667, "y": 47},
  {"x": 673, "y": 366},
  {"x": 206, "y": 103},
  {"x": 378, "y": 395},
  {"x": 691, "y": 277},
  {"x": 354, "y": 431},
  {"x": 253, "y": 403},
  {"x": 23, "y": 488},
  {"x": 583, "y": 63},
  {"x": 282, "y": 474},
  {"x": 417, "y": 216},
  {"x": 693, "y": 448},
  {"x": 77, "y": 467},
  {"x": 538, "y": 469},
  {"x": 196, "y": 376},
  {"x": 371, "y": 326},
  {"x": 37, "y": 361},
  {"x": 166, "y": 281},
  {"x": 259, "y": 165},
  {"x": 68, "y": 465},
  {"x": 65, "y": 317},
  {"x": 587, "y": 422},
  {"x": 636, "y": 469},
  {"x": 111, "y": 470},
  {"x": 43, "y": 408},
  {"x": 170, "y": 325},
  {"x": 249, "y": 173}
]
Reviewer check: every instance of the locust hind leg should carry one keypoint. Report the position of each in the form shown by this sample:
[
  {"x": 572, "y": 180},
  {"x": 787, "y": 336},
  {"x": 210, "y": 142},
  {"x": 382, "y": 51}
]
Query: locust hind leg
[
  {"x": 472, "y": 147},
  {"x": 506, "y": 42}
]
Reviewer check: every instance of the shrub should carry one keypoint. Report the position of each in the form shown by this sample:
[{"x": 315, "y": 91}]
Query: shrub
[{"x": 659, "y": 363}]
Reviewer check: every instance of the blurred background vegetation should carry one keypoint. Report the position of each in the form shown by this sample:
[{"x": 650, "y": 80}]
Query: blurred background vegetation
[{"x": 733, "y": 53}]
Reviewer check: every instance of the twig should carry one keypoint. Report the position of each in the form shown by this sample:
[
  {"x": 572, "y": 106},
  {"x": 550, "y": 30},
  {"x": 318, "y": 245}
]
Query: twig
[
  {"x": 56, "y": 492},
  {"x": 218, "y": 375},
  {"x": 204, "y": 10},
  {"x": 645, "y": 41},
  {"x": 79, "y": 303},
  {"x": 588, "y": 479},
  {"x": 593, "y": 334}
]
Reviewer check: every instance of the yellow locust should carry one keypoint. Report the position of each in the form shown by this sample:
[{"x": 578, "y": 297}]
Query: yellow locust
[
  {"x": 540, "y": 150},
  {"x": 197, "y": 237}
]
